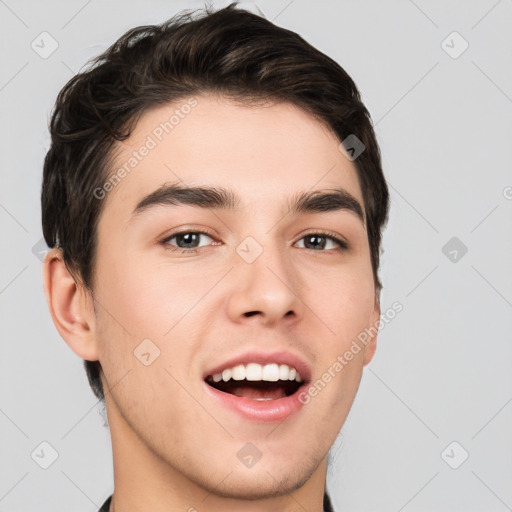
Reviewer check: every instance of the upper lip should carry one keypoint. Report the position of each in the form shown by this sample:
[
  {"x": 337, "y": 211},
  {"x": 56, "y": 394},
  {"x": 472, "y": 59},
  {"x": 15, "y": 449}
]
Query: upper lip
[{"x": 256, "y": 356}]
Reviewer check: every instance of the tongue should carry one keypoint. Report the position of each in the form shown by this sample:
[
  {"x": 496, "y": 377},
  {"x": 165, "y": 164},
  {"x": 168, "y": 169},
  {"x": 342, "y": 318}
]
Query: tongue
[{"x": 269, "y": 390}]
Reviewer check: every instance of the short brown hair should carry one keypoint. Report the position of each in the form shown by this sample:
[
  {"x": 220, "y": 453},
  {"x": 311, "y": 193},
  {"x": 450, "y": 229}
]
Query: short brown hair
[{"x": 230, "y": 51}]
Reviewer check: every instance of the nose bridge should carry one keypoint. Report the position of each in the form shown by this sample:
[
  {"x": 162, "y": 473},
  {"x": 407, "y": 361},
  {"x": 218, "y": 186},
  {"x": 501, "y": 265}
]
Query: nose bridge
[{"x": 266, "y": 281}]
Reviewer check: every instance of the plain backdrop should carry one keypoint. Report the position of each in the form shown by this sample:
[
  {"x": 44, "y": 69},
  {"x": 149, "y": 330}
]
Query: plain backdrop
[{"x": 430, "y": 429}]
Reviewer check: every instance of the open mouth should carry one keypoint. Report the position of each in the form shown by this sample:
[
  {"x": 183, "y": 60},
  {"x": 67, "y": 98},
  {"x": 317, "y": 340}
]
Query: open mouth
[
  {"x": 257, "y": 382},
  {"x": 258, "y": 390}
]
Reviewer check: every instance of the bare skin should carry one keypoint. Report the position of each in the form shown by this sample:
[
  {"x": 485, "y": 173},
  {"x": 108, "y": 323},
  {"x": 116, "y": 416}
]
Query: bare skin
[{"x": 174, "y": 447}]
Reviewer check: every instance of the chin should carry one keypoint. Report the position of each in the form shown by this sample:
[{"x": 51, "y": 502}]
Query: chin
[
  {"x": 258, "y": 486},
  {"x": 262, "y": 480}
]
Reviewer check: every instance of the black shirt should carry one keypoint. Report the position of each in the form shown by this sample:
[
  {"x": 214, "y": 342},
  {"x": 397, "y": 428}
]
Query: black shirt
[{"x": 327, "y": 504}]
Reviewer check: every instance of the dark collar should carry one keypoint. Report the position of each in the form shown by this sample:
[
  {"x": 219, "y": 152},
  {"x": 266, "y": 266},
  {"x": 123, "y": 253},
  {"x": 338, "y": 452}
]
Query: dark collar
[
  {"x": 106, "y": 505},
  {"x": 327, "y": 504}
]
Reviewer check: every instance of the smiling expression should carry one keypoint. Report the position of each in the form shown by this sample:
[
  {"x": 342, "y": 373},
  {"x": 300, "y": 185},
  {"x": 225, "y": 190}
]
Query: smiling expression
[{"x": 237, "y": 247}]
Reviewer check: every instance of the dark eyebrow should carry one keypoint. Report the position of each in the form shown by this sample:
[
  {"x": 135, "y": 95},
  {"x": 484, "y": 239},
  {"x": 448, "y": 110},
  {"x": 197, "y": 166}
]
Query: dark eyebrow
[
  {"x": 175, "y": 195},
  {"x": 328, "y": 201},
  {"x": 223, "y": 198}
]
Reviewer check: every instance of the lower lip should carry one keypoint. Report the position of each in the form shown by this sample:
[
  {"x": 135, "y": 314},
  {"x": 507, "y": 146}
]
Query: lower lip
[{"x": 265, "y": 411}]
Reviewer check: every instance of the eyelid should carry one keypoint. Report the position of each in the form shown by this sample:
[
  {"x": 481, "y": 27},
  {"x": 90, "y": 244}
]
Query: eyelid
[
  {"x": 185, "y": 230},
  {"x": 336, "y": 237}
]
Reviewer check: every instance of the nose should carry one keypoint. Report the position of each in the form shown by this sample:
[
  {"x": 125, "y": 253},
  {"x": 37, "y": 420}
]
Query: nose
[{"x": 266, "y": 289}]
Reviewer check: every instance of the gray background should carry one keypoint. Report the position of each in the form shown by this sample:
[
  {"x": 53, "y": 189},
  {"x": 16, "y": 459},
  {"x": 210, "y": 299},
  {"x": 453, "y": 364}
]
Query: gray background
[{"x": 442, "y": 372}]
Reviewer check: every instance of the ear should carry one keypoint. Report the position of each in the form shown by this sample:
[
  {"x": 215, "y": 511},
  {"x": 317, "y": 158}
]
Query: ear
[
  {"x": 371, "y": 345},
  {"x": 70, "y": 305}
]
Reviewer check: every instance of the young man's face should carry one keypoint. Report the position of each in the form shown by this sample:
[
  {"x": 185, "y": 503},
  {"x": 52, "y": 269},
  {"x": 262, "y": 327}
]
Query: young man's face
[{"x": 259, "y": 287}]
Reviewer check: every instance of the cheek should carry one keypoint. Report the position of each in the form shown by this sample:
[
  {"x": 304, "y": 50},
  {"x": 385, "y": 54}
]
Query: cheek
[
  {"x": 146, "y": 308},
  {"x": 344, "y": 299},
  {"x": 147, "y": 299}
]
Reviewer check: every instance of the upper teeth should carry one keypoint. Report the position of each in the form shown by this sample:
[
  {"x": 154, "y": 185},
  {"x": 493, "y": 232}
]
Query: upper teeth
[{"x": 256, "y": 372}]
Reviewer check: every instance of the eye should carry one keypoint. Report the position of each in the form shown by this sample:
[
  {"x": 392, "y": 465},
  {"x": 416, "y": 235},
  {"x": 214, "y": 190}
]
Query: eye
[
  {"x": 323, "y": 241},
  {"x": 187, "y": 241},
  {"x": 190, "y": 241}
]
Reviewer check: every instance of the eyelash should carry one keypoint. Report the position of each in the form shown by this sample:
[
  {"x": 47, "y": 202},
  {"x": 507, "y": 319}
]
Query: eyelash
[{"x": 343, "y": 246}]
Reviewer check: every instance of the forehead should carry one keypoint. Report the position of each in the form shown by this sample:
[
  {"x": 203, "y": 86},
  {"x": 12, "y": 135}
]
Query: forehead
[{"x": 266, "y": 152}]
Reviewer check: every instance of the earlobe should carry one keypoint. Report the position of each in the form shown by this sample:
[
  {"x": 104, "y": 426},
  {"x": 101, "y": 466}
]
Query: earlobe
[
  {"x": 70, "y": 306},
  {"x": 371, "y": 345}
]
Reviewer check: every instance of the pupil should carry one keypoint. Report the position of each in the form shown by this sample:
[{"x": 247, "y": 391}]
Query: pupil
[
  {"x": 187, "y": 238},
  {"x": 316, "y": 244}
]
